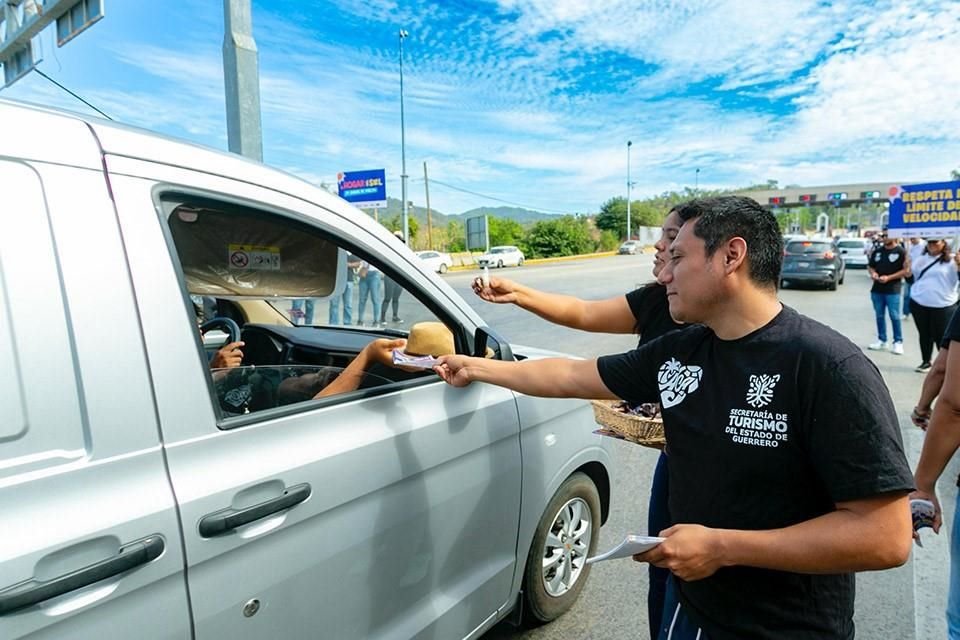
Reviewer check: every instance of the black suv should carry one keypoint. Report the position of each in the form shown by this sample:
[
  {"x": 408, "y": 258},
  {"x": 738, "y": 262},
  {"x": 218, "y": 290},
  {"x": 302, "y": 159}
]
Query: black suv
[{"x": 812, "y": 261}]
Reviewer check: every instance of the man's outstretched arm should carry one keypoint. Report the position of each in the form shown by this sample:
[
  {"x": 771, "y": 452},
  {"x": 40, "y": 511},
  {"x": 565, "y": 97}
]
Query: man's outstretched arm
[{"x": 550, "y": 378}]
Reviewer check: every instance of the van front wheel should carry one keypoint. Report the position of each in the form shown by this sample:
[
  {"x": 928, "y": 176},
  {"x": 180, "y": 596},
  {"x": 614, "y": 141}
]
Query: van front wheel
[{"x": 566, "y": 536}]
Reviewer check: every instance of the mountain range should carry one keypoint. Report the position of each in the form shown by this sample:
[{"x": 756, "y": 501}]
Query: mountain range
[{"x": 523, "y": 216}]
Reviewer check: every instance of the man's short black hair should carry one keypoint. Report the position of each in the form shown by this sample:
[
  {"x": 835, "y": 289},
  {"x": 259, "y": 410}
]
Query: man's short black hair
[{"x": 722, "y": 218}]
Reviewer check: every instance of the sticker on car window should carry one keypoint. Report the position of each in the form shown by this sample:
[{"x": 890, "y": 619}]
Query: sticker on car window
[{"x": 245, "y": 256}]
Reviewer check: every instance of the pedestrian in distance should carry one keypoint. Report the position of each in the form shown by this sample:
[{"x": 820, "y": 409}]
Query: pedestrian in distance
[
  {"x": 914, "y": 249},
  {"x": 933, "y": 295},
  {"x": 939, "y": 445},
  {"x": 643, "y": 311},
  {"x": 370, "y": 286},
  {"x": 933, "y": 381},
  {"x": 888, "y": 266},
  {"x": 391, "y": 294},
  {"x": 345, "y": 299},
  {"x": 787, "y": 471},
  {"x": 301, "y": 311}
]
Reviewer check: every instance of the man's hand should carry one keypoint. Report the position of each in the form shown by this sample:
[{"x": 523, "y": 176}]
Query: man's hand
[
  {"x": 381, "y": 350},
  {"x": 454, "y": 370},
  {"x": 937, "y": 513},
  {"x": 228, "y": 357},
  {"x": 500, "y": 290},
  {"x": 690, "y": 551}
]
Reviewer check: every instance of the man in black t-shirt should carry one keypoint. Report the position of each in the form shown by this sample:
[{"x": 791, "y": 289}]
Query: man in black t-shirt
[
  {"x": 888, "y": 266},
  {"x": 787, "y": 471},
  {"x": 939, "y": 445}
]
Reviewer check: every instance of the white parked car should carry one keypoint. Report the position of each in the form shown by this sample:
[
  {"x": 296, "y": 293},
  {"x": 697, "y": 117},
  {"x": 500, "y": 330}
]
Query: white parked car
[
  {"x": 503, "y": 256},
  {"x": 436, "y": 260},
  {"x": 855, "y": 251}
]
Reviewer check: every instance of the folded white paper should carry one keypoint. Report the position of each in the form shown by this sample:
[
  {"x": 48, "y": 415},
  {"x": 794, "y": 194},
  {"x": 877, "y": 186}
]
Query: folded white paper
[{"x": 630, "y": 545}]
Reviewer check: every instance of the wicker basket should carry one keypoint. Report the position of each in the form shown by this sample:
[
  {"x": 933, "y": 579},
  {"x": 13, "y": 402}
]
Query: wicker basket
[{"x": 644, "y": 431}]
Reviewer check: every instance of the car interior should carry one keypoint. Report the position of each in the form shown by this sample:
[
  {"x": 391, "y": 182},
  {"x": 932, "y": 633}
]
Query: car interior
[{"x": 241, "y": 269}]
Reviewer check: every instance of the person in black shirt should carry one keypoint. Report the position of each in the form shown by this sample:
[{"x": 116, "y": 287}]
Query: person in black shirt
[
  {"x": 939, "y": 445},
  {"x": 787, "y": 471},
  {"x": 643, "y": 311},
  {"x": 889, "y": 264}
]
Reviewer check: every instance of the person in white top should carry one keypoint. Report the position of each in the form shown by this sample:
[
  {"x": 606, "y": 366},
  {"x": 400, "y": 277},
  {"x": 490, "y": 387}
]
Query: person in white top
[
  {"x": 914, "y": 250},
  {"x": 933, "y": 295}
]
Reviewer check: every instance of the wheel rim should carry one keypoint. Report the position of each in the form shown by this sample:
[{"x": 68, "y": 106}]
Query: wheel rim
[{"x": 564, "y": 554}]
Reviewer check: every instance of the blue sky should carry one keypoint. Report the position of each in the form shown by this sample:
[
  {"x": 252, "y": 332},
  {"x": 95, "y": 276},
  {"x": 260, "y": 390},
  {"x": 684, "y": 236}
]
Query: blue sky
[{"x": 532, "y": 101}]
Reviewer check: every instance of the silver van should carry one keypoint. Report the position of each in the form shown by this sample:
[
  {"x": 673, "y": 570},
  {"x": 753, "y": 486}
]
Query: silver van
[{"x": 145, "y": 492}]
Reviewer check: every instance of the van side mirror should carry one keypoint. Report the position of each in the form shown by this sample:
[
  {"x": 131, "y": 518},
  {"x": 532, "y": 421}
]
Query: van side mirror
[{"x": 486, "y": 338}]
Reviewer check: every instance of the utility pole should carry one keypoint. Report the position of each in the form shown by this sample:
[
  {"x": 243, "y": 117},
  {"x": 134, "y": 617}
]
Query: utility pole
[
  {"x": 241, "y": 80},
  {"x": 403, "y": 145},
  {"x": 426, "y": 188},
  {"x": 629, "y": 144}
]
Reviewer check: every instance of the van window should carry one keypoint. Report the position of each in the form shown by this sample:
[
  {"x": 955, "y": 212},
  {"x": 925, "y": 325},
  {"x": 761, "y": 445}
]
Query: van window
[{"x": 305, "y": 330}]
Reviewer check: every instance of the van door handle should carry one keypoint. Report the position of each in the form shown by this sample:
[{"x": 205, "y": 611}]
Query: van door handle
[
  {"x": 220, "y": 522},
  {"x": 131, "y": 556}
]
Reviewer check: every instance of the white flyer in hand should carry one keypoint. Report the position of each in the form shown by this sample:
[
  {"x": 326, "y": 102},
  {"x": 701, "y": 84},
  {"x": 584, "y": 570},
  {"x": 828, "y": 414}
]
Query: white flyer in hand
[
  {"x": 630, "y": 545},
  {"x": 402, "y": 359}
]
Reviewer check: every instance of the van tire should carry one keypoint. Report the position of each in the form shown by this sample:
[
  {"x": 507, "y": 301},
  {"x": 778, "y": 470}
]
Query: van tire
[{"x": 541, "y": 605}]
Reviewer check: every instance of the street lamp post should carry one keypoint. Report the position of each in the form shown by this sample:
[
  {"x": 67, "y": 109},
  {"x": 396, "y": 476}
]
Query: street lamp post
[
  {"x": 696, "y": 180},
  {"x": 629, "y": 144},
  {"x": 403, "y": 148}
]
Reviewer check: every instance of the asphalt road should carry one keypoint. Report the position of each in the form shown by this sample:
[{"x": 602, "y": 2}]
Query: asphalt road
[{"x": 901, "y": 603}]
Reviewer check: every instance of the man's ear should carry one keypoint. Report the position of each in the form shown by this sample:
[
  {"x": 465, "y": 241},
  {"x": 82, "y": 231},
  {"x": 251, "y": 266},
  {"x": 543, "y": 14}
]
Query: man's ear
[{"x": 734, "y": 254}]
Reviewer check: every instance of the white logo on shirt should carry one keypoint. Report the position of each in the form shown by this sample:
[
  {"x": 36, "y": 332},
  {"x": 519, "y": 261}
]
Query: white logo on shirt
[
  {"x": 760, "y": 392},
  {"x": 676, "y": 381},
  {"x": 893, "y": 257}
]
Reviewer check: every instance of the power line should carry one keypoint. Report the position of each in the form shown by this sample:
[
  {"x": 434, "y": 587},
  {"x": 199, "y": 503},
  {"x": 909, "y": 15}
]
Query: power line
[
  {"x": 42, "y": 74},
  {"x": 489, "y": 197}
]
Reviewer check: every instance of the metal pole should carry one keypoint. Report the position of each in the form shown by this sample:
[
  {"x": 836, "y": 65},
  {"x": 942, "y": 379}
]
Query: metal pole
[
  {"x": 426, "y": 189},
  {"x": 696, "y": 180},
  {"x": 403, "y": 146},
  {"x": 629, "y": 144},
  {"x": 241, "y": 80}
]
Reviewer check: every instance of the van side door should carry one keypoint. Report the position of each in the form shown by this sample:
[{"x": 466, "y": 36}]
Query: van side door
[
  {"x": 90, "y": 543},
  {"x": 380, "y": 513}
]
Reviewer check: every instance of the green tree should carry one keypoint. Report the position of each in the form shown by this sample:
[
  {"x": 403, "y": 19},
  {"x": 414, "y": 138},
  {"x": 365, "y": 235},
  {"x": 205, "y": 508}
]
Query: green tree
[
  {"x": 955, "y": 174},
  {"x": 613, "y": 216},
  {"x": 504, "y": 231},
  {"x": 649, "y": 212},
  {"x": 395, "y": 223},
  {"x": 456, "y": 237},
  {"x": 564, "y": 236},
  {"x": 609, "y": 240}
]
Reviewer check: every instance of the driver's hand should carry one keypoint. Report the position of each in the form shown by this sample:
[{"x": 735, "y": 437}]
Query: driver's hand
[
  {"x": 228, "y": 356},
  {"x": 381, "y": 350}
]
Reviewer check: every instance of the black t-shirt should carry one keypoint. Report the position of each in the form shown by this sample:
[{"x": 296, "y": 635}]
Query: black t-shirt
[
  {"x": 765, "y": 432},
  {"x": 650, "y": 307},
  {"x": 953, "y": 331},
  {"x": 885, "y": 262}
]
